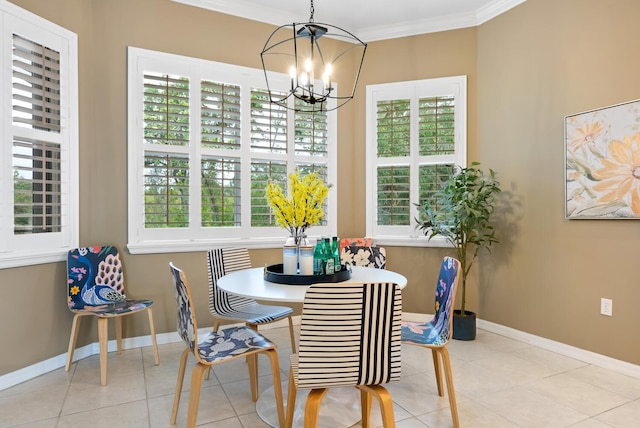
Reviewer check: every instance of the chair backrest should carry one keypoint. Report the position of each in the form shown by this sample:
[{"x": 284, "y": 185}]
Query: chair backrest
[
  {"x": 441, "y": 325},
  {"x": 350, "y": 335},
  {"x": 187, "y": 325},
  {"x": 220, "y": 262},
  {"x": 365, "y": 242},
  {"x": 446, "y": 290},
  {"x": 94, "y": 277},
  {"x": 364, "y": 255}
]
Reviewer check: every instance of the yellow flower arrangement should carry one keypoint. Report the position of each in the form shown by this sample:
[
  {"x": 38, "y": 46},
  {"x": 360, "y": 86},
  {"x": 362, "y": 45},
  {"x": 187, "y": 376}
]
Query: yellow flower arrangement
[{"x": 303, "y": 208}]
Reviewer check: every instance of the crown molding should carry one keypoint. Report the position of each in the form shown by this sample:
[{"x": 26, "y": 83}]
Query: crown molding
[{"x": 267, "y": 13}]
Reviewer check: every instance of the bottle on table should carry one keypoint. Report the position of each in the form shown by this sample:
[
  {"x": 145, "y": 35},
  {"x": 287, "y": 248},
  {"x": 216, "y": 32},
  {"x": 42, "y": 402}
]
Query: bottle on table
[
  {"x": 335, "y": 253},
  {"x": 328, "y": 254},
  {"x": 318, "y": 257}
]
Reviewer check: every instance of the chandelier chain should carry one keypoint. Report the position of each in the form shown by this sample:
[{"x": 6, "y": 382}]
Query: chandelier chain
[{"x": 312, "y": 12}]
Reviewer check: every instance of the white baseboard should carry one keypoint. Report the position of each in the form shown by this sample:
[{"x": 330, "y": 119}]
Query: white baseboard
[
  {"x": 618, "y": 366},
  {"x": 34, "y": 370},
  {"x": 53, "y": 363}
]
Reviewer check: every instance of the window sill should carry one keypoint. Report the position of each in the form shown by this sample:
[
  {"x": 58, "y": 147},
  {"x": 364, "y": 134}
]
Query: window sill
[
  {"x": 19, "y": 259},
  {"x": 411, "y": 241},
  {"x": 177, "y": 246}
]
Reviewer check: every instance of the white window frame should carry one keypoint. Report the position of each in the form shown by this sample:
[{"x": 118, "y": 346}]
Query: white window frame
[
  {"x": 143, "y": 240},
  {"x": 29, "y": 249},
  {"x": 409, "y": 235}
]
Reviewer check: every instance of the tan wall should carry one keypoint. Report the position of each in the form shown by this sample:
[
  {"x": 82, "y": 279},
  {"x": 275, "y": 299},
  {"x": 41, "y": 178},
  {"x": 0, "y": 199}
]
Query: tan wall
[
  {"x": 526, "y": 70},
  {"x": 538, "y": 63}
]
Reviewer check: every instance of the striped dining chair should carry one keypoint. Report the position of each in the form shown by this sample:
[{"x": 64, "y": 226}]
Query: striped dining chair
[
  {"x": 225, "y": 306},
  {"x": 437, "y": 333},
  {"x": 349, "y": 336}
]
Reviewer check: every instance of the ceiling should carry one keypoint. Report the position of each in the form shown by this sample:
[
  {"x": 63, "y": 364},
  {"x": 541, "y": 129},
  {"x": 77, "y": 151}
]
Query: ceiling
[{"x": 369, "y": 20}]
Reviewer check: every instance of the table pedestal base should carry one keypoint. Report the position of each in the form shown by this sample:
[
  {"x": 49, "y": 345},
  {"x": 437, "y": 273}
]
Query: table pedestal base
[{"x": 340, "y": 407}]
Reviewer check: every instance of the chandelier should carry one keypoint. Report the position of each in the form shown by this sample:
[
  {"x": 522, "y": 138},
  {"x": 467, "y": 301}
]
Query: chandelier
[{"x": 312, "y": 52}]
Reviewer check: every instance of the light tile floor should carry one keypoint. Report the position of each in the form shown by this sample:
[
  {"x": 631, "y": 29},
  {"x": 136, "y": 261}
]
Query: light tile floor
[{"x": 499, "y": 382}]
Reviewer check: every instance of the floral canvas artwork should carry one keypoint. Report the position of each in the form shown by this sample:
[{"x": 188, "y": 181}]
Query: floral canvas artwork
[{"x": 603, "y": 163}]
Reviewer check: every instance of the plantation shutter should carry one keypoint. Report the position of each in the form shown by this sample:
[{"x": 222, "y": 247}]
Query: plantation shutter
[
  {"x": 220, "y": 165},
  {"x": 166, "y": 174},
  {"x": 311, "y": 133},
  {"x": 37, "y": 174},
  {"x": 166, "y": 109},
  {"x": 393, "y": 141},
  {"x": 268, "y": 124},
  {"x": 418, "y": 134},
  {"x": 221, "y": 190},
  {"x": 436, "y": 142},
  {"x": 261, "y": 172},
  {"x": 37, "y": 190},
  {"x": 36, "y": 85},
  {"x": 204, "y": 142},
  {"x": 220, "y": 115}
]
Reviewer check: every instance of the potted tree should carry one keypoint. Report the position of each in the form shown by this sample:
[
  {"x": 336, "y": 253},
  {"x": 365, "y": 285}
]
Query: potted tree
[{"x": 461, "y": 213}]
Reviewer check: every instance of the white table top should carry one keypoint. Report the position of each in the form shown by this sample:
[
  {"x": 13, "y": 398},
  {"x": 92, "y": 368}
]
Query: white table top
[{"x": 251, "y": 283}]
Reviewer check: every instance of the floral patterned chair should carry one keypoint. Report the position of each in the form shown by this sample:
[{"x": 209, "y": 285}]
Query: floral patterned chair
[
  {"x": 436, "y": 334},
  {"x": 95, "y": 284},
  {"x": 364, "y": 255},
  {"x": 349, "y": 337},
  {"x": 366, "y": 242},
  {"x": 215, "y": 348}
]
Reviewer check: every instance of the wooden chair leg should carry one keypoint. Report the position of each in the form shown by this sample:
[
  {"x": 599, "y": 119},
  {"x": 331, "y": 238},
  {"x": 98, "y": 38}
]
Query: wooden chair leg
[
  {"x": 75, "y": 326},
  {"x": 312, "y": 408},
  {"x": 365, "y": 407},
  {"x": 292, "y": 335},
  {"x": 254, "y": 327},
  {"x": 277, "y": 384},
  {"x": 385, "y": 401},
  {"x": 252, "y": 361},
  {"x": 194, "y": 394},
  {"x": 103, "y": 339},
  {"x": 152, "y": 331},
  {"x": 179, "y": 382},
  {"x": 448, "y": 374},
  {"x": 436, "y": 366},
  {"x": 207, "y": 374},
  {"x": 118, "y": 322},
  {"x": 291, "y": 399}
]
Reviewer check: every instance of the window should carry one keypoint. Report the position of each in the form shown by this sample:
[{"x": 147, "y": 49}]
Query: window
[
  {"x": 204, "y": 140},
  {"x": 39, "y": 151},
  {"x": 416, "y": 134}
]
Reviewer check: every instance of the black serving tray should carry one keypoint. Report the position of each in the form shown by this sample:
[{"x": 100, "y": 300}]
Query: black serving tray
[{"x": 273, "y": 273}]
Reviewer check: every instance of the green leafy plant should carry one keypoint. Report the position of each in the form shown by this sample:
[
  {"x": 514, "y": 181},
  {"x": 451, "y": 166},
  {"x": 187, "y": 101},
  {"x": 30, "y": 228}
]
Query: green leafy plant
[{"x": 462, "y": 213}]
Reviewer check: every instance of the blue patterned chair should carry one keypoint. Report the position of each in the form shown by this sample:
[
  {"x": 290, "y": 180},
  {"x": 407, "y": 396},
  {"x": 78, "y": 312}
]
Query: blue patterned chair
[
  {"x": 95, "y": 285},
  {"x": 225, "y": 306},
  {"x": 436, "y": 334},
  {"x": 349, "y": 336},
  {"x": 364, "y": 255},
  {"x": 215, "y": 348}
]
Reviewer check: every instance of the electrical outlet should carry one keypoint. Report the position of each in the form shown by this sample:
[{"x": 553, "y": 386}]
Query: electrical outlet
[{"x": 606, "y": 307}]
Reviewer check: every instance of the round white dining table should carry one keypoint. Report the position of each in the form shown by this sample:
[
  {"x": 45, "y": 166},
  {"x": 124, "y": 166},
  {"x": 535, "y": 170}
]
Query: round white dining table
[
  {"x": 251, "y": 283},
  {"x": 340, "y": 406}
]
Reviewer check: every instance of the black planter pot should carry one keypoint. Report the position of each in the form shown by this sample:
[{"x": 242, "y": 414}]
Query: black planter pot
[{"x": 464, "y": 326}]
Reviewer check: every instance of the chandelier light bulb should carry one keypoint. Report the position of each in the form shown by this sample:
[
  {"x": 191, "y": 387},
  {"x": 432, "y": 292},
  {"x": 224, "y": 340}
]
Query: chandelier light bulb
[
  {"x": 313, "y": 50},
  {"x": 304, "y": 79}
]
